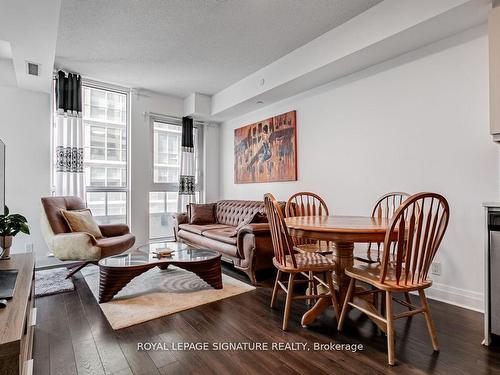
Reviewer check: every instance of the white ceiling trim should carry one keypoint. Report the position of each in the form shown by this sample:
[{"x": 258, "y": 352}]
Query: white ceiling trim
[{"x": 386, "y": 30}]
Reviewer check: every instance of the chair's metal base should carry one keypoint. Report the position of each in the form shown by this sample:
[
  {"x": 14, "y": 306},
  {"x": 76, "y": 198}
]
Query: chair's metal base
[{"x": 77, "y": 267}]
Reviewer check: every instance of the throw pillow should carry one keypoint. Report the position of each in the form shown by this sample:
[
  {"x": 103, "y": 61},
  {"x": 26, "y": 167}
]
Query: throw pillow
[
  {"x": 249, "y": 219},
  {"x": 202, "y": 213},
  {"x": 81, "y": 221}
]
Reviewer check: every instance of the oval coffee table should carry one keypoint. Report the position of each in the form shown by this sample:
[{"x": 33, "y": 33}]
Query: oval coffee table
[{"x": 117, "y": 271}]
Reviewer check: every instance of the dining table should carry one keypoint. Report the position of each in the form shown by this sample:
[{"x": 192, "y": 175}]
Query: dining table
[{"x": 342, "y": 232}]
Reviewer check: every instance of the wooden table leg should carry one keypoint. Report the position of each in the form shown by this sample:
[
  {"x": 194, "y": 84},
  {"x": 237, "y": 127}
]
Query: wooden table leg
[
  {"x": 343, "y": 256},
  {"x": 209, "y": 270},
  {"x": 311, "y": 314},
  {"x": 112, "y": 280}
]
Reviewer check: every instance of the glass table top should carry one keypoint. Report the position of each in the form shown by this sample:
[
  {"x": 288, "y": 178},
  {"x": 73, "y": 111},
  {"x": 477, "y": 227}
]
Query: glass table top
[{"x": 145, "y": 254}]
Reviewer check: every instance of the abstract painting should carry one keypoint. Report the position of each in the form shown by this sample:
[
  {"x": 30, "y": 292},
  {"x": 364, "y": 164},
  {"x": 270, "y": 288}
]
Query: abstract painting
[{"x": 266, "y": 151}]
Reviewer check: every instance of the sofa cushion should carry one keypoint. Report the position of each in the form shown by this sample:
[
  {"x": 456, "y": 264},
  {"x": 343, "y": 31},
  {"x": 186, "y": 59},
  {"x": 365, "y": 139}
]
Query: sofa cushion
[
  {"x": 199, "y": 229},
  {"x": 202, "y": 213},
  {"x": 208, "y": 243},
  {"x": 224, "y": 235}
]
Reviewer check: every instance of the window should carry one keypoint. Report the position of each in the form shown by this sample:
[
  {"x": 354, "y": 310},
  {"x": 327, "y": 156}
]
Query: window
[
  {"x": 166, "y": 152},
  {"x": 166, "y": 170},
  {"x": 105, "y": 153}
]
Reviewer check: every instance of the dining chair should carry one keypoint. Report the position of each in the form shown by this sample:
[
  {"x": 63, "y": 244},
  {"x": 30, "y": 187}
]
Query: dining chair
[
  {"x": 416, "y": 230},
  {"x": 288, "y": 260},
  {"x": 305, "y": 203},
  {"x": 384, "y": 208}
]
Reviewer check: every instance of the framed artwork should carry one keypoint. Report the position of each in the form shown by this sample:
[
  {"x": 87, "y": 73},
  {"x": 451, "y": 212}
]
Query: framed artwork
[{"x": 266, "y": 151}]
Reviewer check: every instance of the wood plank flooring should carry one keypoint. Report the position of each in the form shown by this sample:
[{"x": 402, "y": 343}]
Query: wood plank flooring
[{"x": 73, "y": 337}]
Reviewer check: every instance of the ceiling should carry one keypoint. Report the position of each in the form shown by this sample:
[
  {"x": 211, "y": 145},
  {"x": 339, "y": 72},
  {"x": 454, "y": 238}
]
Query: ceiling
[
  {"x": 178, "y": 47},
  {"x": 28, "y": 31}
]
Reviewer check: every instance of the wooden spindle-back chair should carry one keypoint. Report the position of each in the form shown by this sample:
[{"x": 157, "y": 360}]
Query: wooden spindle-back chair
[
  {"x": 306, "y": 203},
  {"x": 416, "y": 231},
  {"x": 384, "y": 208},
  {"x": 288, "y": 260}
]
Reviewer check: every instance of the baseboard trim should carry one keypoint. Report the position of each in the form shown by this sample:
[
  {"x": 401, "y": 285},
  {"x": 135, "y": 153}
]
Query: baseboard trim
[{"x": 466, "y": 299}]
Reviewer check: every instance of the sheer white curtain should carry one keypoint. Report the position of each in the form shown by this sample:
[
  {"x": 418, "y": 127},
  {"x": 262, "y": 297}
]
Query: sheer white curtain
[
  {"x": 69, "y": 176},
  {"x": 187, "y": 183}
]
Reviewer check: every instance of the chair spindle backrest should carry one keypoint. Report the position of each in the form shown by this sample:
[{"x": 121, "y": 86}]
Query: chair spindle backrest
[
  {"x": 416, "y": 231},
  {"x": 385, "y": 208},
  {"x": 305, "y": 204},
  {"x": 387, "y": 204},
  {"x": 282, "y": 242}
]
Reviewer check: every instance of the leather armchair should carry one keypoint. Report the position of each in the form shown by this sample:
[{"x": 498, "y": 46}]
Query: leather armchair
[{"x": 80, "y": 246}]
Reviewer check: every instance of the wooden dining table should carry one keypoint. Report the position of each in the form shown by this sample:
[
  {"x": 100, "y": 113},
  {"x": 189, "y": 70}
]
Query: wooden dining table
[{"x": 342, "y": 232}]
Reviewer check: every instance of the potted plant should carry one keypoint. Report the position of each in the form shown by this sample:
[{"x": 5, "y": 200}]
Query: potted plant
[{"x": 10, "y": 225}]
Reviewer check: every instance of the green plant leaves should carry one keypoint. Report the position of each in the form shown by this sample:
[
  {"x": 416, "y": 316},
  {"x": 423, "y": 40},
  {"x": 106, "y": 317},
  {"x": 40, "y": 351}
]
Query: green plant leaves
[{"x": 10, "y": 225}]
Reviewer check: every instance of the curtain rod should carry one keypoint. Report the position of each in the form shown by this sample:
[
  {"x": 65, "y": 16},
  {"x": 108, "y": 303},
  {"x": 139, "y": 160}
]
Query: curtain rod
[
  {"x": 160, "y": 115},
  {"x": 57, "y": 70}
]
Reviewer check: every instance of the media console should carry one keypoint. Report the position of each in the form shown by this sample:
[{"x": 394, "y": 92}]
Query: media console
[{"x": 18, "y": 319}]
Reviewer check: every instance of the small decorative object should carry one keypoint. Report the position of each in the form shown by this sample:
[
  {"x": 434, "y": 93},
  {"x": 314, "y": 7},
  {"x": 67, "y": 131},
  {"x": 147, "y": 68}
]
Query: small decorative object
[
  {"x": 266, "y": 151},
  {"x": 164, "y": 252},
  {"x": 10, "y": 225}
]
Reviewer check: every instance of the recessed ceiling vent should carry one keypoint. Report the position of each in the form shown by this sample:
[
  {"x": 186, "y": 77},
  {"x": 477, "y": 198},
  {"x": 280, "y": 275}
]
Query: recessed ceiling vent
[{"x": 32, "y": 68}]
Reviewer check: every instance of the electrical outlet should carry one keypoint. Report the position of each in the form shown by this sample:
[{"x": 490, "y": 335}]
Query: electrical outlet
[
  {"x": 29, "y": 247},
  {"x": 436, "y": 268}
]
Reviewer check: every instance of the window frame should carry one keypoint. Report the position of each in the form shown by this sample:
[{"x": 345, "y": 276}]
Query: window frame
[
  {"x": 173, "y": 187},
  {"x": 112, "y": 189}
]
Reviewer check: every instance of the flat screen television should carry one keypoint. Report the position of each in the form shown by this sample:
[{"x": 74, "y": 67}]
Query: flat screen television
[{"x": 2, "y": 177}]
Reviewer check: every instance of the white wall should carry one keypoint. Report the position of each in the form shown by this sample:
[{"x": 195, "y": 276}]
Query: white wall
[
  {"x": 211, "y": 162},
  {"x": 25, "y": 129},
  {"x": 416, "y": 123}
]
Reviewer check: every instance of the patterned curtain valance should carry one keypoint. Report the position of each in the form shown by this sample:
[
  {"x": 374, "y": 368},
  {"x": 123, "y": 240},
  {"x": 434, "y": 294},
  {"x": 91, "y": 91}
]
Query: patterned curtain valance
[
  {"x": 187, "y": 185},
  {"x": 68, "y": 92},
  {"x": 69, "y": 159}
]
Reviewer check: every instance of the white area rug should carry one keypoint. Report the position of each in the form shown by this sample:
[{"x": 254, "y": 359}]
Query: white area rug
[
  {"x": 158, "y": 293},
  {"x": 52, "y": 281}
]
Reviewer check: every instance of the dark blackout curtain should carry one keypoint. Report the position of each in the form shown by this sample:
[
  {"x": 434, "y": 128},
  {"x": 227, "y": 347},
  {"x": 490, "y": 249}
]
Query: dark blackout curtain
[{"x": 68, "y": 92}]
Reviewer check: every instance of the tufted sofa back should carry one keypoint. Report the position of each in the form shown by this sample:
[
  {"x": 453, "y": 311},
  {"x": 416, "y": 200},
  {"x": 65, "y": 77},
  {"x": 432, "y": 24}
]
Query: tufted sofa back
[{"x": 233, "y": 212}]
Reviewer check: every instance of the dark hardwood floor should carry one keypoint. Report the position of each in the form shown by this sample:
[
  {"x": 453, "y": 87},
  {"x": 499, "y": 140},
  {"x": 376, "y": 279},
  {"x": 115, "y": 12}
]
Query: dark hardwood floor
[{"x": 73, "y": 337}]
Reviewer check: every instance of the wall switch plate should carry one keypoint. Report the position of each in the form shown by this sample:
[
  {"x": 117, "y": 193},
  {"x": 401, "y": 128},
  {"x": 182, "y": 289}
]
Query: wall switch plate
[
  {"x": 436, "y": 268},
  {"x": 29, "y": 247}
]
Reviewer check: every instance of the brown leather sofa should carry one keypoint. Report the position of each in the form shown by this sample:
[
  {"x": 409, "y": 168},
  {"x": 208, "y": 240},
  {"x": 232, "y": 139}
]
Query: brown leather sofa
[
  {"x": 80, "y": 246},
  {"x": 249, "y": 251}
]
